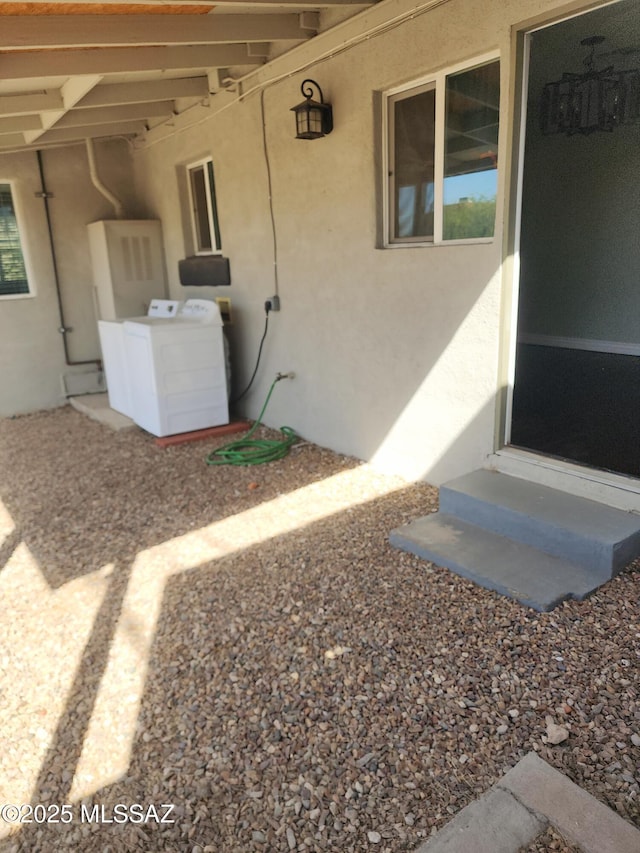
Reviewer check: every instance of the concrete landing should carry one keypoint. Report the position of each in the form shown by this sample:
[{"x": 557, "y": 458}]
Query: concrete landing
[
  {"x": 528, "y": 575},
  {"x": 529, "y": 542},
  {"x": 574, "y": 528},
  {"x": 96, "y": 406},
  {"x": 522, "y": 805}
]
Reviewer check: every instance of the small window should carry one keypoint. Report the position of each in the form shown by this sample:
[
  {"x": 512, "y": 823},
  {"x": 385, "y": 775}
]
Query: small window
[
  {"x": 204, "y": 212},
  {"x": 13, "y": 275},
  {"x": 443, "y": 157}
]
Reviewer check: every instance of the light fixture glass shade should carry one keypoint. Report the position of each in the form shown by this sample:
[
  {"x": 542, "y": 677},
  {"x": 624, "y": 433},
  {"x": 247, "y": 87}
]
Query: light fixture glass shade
[
  {"x": 313, "y": 118},
  {"x": 591, "y": 101}
]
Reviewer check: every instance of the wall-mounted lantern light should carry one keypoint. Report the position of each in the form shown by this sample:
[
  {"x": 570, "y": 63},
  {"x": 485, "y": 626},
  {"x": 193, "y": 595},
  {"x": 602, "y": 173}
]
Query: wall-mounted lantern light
[{"x": 313, "y": 118}]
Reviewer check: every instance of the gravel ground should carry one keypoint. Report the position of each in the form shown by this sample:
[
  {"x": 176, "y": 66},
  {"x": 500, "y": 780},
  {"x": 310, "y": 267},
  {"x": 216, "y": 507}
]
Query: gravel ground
[
  {"x": 550, "y": 841},
  {"x": 244, "y": 645}
]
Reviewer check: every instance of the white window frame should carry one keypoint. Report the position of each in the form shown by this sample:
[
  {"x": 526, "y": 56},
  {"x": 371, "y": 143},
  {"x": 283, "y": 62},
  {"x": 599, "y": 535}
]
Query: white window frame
[
  {"x": 438, "y": 82},
  {"x": 210, "y": 190},
  {"x": 21, "y": 231}
]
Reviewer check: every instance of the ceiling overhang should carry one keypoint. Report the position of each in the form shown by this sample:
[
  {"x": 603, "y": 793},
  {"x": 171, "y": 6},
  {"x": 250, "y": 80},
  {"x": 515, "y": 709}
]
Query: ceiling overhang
[{"x": 74, "y": 71}]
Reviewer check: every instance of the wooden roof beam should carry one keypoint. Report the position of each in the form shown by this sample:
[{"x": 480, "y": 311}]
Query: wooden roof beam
[
  {"x": 94, "y": 131},
  {"x": 116, "y": 114},
  {"x": 112, "y": 94},
  {"x": 72, "y": 91},
  {"x": 24, "y": 32},
  {"x": 12, "y": 140},
  {"x": 20, "y": 66},
  {"x": 23, "y": 104},
  {"x": 208, "y": 4},
  {"x": 18, "y": 124}
]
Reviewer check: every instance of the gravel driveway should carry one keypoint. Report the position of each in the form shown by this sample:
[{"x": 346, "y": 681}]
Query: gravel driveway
[{"x": 243, "y": 645}]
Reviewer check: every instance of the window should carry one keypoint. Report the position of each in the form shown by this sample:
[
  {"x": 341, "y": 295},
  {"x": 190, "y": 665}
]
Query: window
[
  {"x": 204, "y": 213},
  {"x": 13, "y": 275},
  {"x": 442, "y": 157}
]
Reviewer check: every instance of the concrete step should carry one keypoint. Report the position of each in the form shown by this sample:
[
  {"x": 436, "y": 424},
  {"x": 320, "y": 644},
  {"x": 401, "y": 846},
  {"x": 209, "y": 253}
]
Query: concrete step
[
  {"x": 582, "y": 531},
  {"x": 519, "y": 807},
  {"x": 527, "y": 574}
]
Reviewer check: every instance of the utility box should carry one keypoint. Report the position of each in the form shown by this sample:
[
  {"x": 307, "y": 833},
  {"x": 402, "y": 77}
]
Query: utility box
[{"x": 127, "y": 257}]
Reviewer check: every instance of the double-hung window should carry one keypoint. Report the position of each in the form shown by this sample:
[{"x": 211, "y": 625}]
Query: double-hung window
[
  {"x": 204, "y": 211},
  {"x": 13, "y": 275},
  {"x": 442, "y": 157}
]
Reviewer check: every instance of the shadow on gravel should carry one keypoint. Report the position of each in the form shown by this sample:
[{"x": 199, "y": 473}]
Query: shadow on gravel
[
  {"x": 227, "y": 707},
  {"x": 9, "y": 545},
  {"x": 62, "y": 757},
  {"x": 320, "y": 687},
  {"x": 83, "y": 495},
  {"x": 318, "y": 690}
]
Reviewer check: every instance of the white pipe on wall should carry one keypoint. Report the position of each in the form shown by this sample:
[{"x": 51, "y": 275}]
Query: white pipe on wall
[{"x": 93, "y": 172}]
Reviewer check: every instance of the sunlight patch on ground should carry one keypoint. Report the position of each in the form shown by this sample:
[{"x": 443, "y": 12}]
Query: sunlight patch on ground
[
  {"x": 31, "y": 657},
  {"x": 112, "y": 731}
]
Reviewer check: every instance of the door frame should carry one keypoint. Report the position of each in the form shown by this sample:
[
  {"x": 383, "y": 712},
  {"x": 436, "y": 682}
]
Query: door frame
[{"x": 616, "y": 489}]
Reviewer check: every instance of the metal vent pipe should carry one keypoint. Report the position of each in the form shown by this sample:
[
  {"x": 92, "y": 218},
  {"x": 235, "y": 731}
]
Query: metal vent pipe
[{"x": 95, "y": 180}]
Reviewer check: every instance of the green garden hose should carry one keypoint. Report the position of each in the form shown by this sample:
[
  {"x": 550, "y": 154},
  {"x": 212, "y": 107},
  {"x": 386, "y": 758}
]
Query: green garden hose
[{"x": 247, "y": 451}]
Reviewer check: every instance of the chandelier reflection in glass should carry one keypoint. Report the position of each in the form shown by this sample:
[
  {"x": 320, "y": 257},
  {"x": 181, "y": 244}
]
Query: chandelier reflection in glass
[{"x": 591, "y": 101}]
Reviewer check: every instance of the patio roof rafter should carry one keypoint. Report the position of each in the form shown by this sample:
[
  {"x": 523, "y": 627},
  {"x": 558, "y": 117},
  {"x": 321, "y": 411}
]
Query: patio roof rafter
[
  {"x": 26, "y": 32},
  {"x": 102, "y": 63},
  {"x": 28, "y": 64}
]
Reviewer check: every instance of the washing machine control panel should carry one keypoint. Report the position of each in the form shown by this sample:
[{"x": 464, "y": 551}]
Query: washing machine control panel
[{"x": 164, "y": 308}]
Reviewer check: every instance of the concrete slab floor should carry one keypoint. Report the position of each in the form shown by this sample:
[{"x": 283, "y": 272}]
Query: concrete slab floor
[
  {"x": 96, "y": 406},
  {"x": 519, "y": 808}
]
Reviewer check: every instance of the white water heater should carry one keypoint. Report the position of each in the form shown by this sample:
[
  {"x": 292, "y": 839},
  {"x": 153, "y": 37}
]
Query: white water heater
[{"x": 127, "y": 257}]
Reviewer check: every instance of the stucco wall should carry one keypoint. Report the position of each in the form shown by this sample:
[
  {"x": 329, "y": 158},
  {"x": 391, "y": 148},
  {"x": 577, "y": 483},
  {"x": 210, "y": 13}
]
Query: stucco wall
[
  {"x": 395, "y": 351},
  {"x": 31, "y": 347}
]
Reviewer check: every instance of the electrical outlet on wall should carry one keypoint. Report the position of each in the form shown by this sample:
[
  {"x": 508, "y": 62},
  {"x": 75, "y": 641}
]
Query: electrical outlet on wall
[{"x": 272, "y": 304}]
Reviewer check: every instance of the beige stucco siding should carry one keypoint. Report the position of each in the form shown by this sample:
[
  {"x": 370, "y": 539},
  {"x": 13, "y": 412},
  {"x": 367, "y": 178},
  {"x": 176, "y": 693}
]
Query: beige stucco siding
[
  {"x": 395, "y": 350},
  {"x": 31, "y": 347}
]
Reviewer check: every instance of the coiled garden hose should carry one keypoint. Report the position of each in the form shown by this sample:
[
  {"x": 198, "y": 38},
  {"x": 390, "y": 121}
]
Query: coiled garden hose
[{"x": 248, "y": 451}]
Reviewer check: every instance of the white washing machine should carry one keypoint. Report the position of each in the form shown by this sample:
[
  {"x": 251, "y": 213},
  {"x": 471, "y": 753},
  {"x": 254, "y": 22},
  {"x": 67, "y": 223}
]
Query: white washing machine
[
  {"x": 114, "y": 356},
  {"x": 177, "y": 370}
]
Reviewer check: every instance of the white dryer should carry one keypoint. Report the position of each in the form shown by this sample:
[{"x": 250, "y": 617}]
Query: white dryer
[
  {"x": 114, "y": 356},
  {"x": 177, "y": 370}
]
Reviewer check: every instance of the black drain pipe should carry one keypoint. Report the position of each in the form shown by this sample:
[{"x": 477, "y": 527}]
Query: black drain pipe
[{"x": 63, "y": 328}]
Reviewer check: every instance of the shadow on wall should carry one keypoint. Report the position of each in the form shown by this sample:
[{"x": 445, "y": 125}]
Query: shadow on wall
[
  {"x": 412, "y": 395},
  {"x": 449, "y": 443},
  {"x": 443, "y": 424}
]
